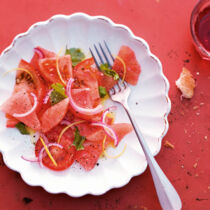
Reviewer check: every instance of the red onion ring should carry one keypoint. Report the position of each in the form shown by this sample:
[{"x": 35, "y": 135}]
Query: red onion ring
[
  {"x": 46, "y": 98},
  {"x": 30, "y": 111},
  {"x": 44, "y": 138},
  {"x": 81, "y": 110},
  {"x": 65, "y": 122},
  {"x": 109, "y": 131},
  {"x": 42, "y": 151},
  {"x": 39, "y": 52},
  {"x": 103, "y": 118},
  {"x": 31, "y": 159}
]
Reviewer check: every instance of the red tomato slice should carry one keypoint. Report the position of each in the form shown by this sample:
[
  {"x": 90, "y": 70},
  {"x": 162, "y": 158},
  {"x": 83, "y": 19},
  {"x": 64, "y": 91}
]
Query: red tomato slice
[
  {"x": 49, "y": 71},
  {"x": 88, "y": 157},
  {"x": 36, "y": 85},
  {"x": 85, "y": 64},
  {"x": 52, "y": 136},
  {"x": 64, "y": 158},
  {"x": 106, "y": 81},
  {"x": 66, "y": 139}
]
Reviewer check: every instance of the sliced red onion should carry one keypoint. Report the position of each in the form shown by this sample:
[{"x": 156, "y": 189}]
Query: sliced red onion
[
  {"x": 65, "y": 122},
  {"x": 44, "y": 138},
  {"x": 103, "y": 118},
  {"x": 46, "y": 98},
  {"x": 30, "y": 111},
  {"x": 108, "y": 130},
  {"x": 39, "y": 52},
  {"x": 30, "y": 159},
  {"x": 81, "y": 110},
  {"x": 40, "y": 157},
  {"x": 42, "y": 152}
]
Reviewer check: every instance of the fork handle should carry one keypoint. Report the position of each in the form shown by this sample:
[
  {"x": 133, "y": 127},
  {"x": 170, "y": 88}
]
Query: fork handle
[{"x": 168, "y": 197}]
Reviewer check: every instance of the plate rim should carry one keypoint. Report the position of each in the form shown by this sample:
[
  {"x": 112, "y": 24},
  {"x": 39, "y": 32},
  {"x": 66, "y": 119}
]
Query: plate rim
[{"x": 150, "y": 54}]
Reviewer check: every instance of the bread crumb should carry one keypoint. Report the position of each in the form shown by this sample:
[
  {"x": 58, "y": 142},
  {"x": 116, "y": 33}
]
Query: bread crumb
[
  {"x": 168, "y": 145},
  {"x": 201, "y": 104},
  {"x": 195, "y": 165},
  {"x": 205, "y": 137},
  {"x": 196, "y": 175},
  {"x": 195, "y": 107},
  {"x": 143, "y": 208},
  {"x": 186, "y": 83},
  {"x": 198, "y": 73},
  {"x": 209, "y": 187}
]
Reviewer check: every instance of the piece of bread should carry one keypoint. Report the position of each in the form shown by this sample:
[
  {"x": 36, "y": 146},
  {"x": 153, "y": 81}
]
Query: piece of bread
[{"x": 186, "y": 83}]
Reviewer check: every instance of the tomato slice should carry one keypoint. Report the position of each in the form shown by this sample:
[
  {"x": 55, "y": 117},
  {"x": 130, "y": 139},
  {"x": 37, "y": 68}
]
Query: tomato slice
[
  {"x": 64, "y": 158},
  {"x": 48, "y": 68},
  {"x": 85, "y": 64},
  {"x": 36, "y": 85}
]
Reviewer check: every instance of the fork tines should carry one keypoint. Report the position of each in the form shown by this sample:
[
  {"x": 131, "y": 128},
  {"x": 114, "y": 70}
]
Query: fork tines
[{"x": 104, "y": 55}]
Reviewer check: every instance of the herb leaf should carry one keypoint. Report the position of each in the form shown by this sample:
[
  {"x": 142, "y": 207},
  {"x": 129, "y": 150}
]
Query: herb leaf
[
  {"x": 102, "y": 91},
  {"x": 58, "y": 93},
  {"x": 22, "y": 128},
  {"x": 109, "y": 72},
  {"x": 76, "y": 55},
  {"x": 59, "y": 88},
  {"x": 78, "y": 140}
]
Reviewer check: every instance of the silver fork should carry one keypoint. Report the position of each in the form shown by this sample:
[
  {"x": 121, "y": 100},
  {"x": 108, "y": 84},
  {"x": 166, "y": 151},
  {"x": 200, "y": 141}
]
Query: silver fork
[{"x": 168, "y": 197}]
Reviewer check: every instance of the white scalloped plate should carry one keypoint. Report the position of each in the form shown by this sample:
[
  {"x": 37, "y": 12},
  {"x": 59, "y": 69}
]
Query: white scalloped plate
[{"x": 148, "y": 100}]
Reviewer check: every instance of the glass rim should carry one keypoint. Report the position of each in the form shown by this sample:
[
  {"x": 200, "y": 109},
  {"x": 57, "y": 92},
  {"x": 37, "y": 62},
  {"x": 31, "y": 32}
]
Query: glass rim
[{"x": 199, "y": 5}]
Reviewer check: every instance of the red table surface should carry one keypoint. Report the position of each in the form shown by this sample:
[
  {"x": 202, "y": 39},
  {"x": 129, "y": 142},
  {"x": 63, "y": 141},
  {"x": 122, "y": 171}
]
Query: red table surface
[{"x": 164, "y": 25}]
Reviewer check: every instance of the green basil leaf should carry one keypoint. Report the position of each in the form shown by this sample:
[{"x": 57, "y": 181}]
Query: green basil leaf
[
  {"x": 109, "y": 72},
  {"x": 78, "y": 140},
  {"x": 76, "y": 55},
  {"x": 59, "y": 88},
  {"x": 58, "y": 93},
  {"x": 102, "y": 91},
  {"x": 22, "y": 128}
]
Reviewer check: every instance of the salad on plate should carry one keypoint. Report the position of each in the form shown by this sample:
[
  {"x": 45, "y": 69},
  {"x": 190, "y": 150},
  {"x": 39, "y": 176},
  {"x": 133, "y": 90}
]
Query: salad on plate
[{"x": 59, "y": 101}]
